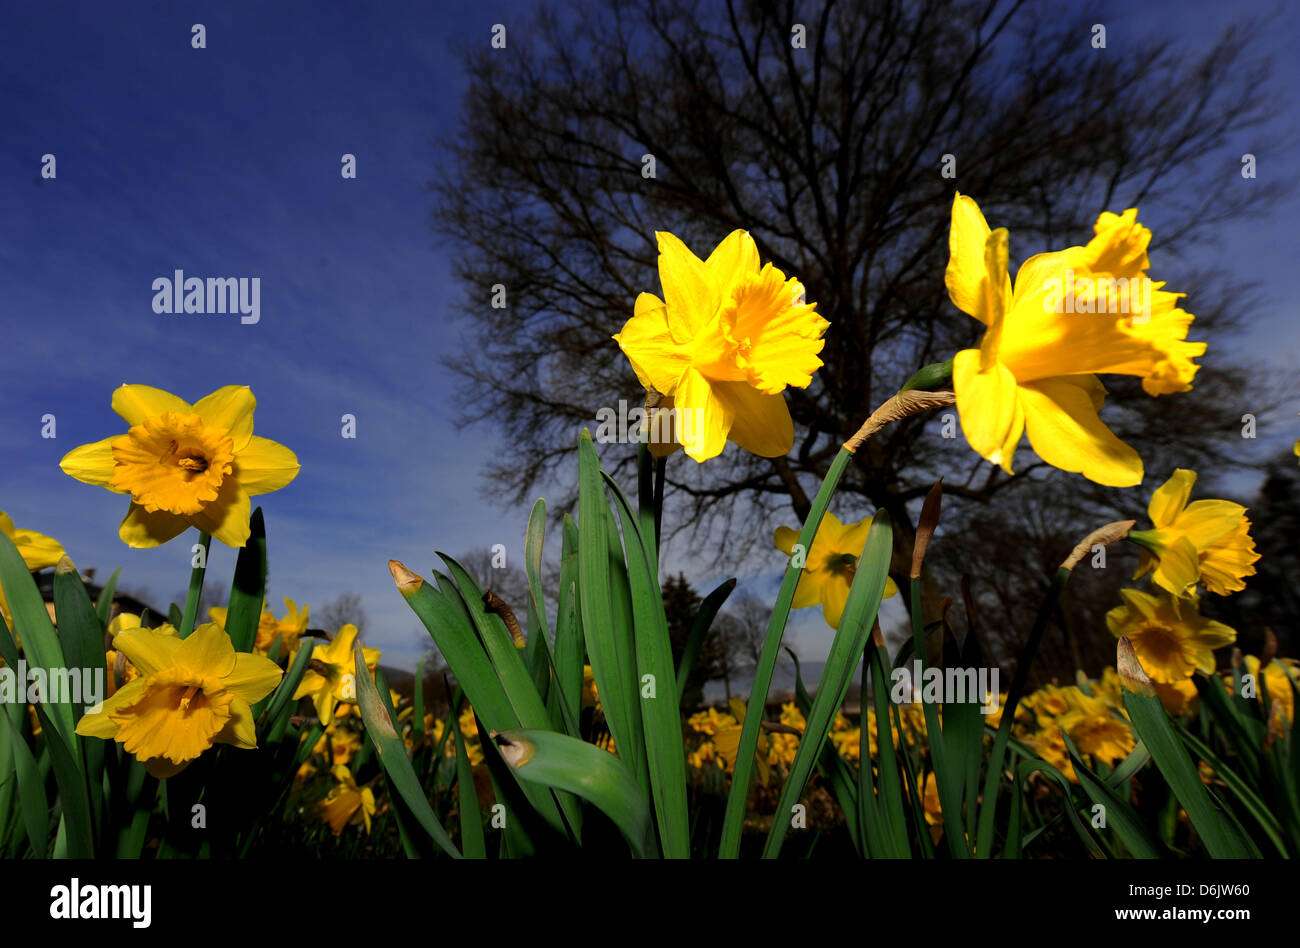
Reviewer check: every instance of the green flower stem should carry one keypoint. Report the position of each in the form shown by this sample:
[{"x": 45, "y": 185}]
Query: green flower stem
[{"x": 191, "y": 612}]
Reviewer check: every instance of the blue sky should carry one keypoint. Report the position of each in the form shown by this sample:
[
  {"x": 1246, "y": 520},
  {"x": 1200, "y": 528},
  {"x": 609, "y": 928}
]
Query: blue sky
[{"x": 225, "y": 162}]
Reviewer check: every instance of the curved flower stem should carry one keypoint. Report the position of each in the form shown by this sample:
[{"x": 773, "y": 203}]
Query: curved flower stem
[{"x": 190, "y": 615}]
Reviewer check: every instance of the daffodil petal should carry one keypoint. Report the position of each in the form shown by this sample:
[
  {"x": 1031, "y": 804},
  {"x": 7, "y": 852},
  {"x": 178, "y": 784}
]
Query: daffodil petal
[
  {"x": 835, "y": 595},
  {"x": 149, "y": 651},
  {"x": 761, "y": 423},
  {"x": 964, "y": 277},
  {"x": 1169, "y": 499},
  {"x": 703, "y": 420},
  {"x": 241, "y": 729},
  {"x": 208, "y": 651},
  {"x": 91, "y": 463},
  {"x": 691, "y": 298},
  {"x": 99, "y": 724},
  {"x": 733, "y": 258},
  {"x": 230, "y": 407},
  {"x": 1064, "y": 429},
  {"x": 263, "y": 465},
  {"x": 135, "y": 403},
  {"x": 37, "y": 550},
  {"x": 142, "y": 528},
  {"x": 657, "y": 358},
  {"x": 254, "y": 677},
  {"x": 227, "y": 518},
  {"x": 785, "y": 539},
  {"x": 989, "y": 405}
]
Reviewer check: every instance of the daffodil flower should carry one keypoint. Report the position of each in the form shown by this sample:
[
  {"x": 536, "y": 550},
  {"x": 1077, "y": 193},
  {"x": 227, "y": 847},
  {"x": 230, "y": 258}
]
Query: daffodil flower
[
  {"x": 722, "y": 345},
  {"x": 347, "y": 803},
  {"x": 184, "y": 465},
  {"x": 329, "y": 677},
  {"x": 1035, "y": 371},
  {"x": 1206, "y": 541},
  {"x": 830, "y": 565},
  {"x": 37, "y": 550},
  {"x": 190, "y": 694},
  {"x": 1170, "y": 636}
]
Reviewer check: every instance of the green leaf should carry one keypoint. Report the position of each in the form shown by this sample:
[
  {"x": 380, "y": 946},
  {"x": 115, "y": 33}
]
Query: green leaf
[
  {"x": 569, "y": 643},
  {"x": 700, "y": 626},
  {"x": 565, "y": 763},
  {"x": 1120, "y": 817},
  {"x": 189, "y": 618},
  {"x": 392, "y": 755},
  {"x": 248, "y": 589},
  {"x": 1216, "y": 826},
  {"x": 79, "y": 629},
  {"x": 471, "y": 819},
  {"x": 104, "y": 604},
  {"x": 31, "y": 789},
  {"x": 72, "y": 789},
  {"x": 445, "y": 615},
  {"x": 660, "y": 712},
  {"x": 605, "y": 606}
]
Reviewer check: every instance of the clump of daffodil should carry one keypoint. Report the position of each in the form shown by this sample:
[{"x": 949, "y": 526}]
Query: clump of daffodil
[
  {"x": 184, "y": 465},
  {"x": 1170, "y": 636},
  {"x": 328, "y": 679},
  {"x": 1035, "y": 371},
  {"x": 37, "y": 550},
  {"x": 1206, "y": 541},
  {"x": 1279, "y": 675},
  {"x": 721, "y": 346},
  {"x": 190, "y": 694},
  {"x": 830, "y": 565},
  {"x": 288, "y": 630},
  {"x": 346, "y": 802}
]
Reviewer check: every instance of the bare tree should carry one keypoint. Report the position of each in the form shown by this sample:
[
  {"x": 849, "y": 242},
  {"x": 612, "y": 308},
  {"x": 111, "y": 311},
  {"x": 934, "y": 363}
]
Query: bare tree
[
  {"x": 346, "y": 609},
  {"x": 830, "y": 153}
]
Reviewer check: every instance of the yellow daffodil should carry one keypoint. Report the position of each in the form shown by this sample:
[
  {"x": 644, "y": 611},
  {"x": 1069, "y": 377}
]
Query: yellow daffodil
[
  {"x": 1207, "y": 541},
  {"x": 1095, "y": 729},
  {"x": 1070, "y": 315},
  {"x": 933, "y": 810},
  {"x": 830, "y": 565},
  {"x": 347, "y": 803},
  {"x": 724, "y": 342},
  {"x": 341, "y": 744},
  {"x": 329, "y": 678},
  {"x": 726, "y": 743},
  {"x": 1172, "y": 639},
  {"x": 191, "y": 693},
  {"x": 184, "y": 465},
  {"x": 37, "y": 550}
]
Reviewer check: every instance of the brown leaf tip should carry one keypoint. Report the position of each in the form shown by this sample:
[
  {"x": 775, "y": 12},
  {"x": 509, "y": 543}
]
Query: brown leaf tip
[
  {"x": 1131, "y": 673},
  {"x": 407, "y": 582}
]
